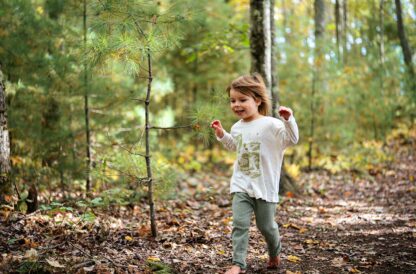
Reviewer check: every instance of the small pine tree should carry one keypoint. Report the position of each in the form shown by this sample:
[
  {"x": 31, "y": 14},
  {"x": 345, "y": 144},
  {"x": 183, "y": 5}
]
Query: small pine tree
[{"x": 133, "y": 33}]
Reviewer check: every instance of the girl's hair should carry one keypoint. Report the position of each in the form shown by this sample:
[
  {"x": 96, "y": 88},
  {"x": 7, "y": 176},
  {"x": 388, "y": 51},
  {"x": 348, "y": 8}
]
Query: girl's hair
[{"x": 252, "y": 85}]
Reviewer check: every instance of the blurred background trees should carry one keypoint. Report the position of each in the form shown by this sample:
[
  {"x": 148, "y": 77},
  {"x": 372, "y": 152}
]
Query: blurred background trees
[{"x": 345, "y": 67}]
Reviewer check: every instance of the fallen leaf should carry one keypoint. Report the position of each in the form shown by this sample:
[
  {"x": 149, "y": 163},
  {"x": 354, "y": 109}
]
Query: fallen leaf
[
  {"x": 311, "y": 242},
  {"x": 293, "y": 259},
  {"x": 290, "y": 194},
  {"x": 292, "y": 226},
  {"x": 221, "y": 252},
  {"x": 7, "y": 198},
  {"x": 31, "y": 254},
  {"x": 298, "y": 247},
  {"x": 54, "y": 263},
  {"x": 153, "y": 259},
  {"x": 128, "y": 238},
  {"x": 339, "y": 262},
  {"x": 133, "y": 268},
  {"x": 290, "y": 272},
  {"x": 89, "y": 268}
]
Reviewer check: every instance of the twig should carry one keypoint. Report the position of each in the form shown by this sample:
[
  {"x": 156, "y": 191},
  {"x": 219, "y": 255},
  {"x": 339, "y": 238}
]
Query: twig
[
  {"x": 130, "y": 152},
  {"x": 176, "y": 127},
  {"x": 83, "y": 264},
  {"x": 17, "y": 191},
  {"x": 139, "y": 100},
  {"x": 110, "y": 260},
  {"x": 82, "y": 251}
]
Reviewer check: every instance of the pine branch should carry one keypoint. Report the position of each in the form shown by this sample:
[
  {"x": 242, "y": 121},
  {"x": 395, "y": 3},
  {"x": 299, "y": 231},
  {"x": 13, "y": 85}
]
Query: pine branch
[{"x": 174, "y": 127}]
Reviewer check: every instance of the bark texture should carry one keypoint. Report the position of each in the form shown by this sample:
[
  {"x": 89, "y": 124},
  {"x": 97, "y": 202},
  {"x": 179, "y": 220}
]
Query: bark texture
[{"x": 5, "y": 168}]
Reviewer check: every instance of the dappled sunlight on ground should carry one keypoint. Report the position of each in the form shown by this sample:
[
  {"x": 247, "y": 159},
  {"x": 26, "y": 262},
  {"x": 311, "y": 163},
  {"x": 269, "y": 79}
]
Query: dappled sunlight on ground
[{"x": 341, "y": 223}]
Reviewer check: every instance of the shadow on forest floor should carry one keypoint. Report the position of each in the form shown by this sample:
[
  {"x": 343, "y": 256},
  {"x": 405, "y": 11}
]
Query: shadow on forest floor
[{"x": 342, "y": 224}]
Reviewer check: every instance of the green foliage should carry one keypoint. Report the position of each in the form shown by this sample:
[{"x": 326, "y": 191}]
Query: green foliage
[
  {"x": 159, "y": 268},
  {"x": 127, "y": 31},
  {"x": 128, "y": 169},
  {"x": 33, "y": 267},
  {"x": 204, "y": 113},
  {"x": 197, "y": 48}
]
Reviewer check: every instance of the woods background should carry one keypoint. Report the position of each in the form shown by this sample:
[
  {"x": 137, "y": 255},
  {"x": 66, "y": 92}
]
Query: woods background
[{"x": 76, "y": 75}]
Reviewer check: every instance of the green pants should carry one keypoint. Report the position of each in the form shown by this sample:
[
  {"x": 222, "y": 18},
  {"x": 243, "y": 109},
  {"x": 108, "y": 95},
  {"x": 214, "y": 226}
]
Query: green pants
[{"x": 243, "y": 207}]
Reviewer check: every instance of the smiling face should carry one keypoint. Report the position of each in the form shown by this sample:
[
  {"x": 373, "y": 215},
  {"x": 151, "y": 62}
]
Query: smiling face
[{"x": 244, "y": 106}]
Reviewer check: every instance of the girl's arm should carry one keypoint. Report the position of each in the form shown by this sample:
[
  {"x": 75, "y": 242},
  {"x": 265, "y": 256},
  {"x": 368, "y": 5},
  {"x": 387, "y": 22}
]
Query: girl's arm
[
  {"x": 290, "y": 133},
  {"x": 224, "y": 137}
]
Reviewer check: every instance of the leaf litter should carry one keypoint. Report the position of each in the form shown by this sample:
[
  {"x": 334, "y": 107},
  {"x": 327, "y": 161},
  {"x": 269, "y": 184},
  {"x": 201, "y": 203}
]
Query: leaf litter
[{"x": 362, "y": 224}]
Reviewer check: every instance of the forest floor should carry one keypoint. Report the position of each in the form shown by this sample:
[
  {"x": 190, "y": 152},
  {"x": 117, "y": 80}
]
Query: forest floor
[{"x": 343, "y": 223}]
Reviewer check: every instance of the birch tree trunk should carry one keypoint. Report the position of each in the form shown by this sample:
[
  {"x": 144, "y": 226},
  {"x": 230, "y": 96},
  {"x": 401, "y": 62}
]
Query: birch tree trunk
[
  {"x": 274, "y": 88},
  {"x": 263, "y": 61},
  {"x": 5, "y": 168}
]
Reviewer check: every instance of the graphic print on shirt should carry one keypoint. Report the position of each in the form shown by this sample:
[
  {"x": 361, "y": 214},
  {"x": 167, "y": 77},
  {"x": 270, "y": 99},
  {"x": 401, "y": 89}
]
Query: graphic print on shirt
[{"x": 249, "y": 157}]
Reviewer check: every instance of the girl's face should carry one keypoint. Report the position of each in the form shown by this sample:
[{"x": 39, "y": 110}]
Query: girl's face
[{"x": 244, "y": 106}]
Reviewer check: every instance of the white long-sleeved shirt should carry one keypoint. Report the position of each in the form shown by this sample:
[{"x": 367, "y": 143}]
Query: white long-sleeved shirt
[{"x": 260, "y": 145}]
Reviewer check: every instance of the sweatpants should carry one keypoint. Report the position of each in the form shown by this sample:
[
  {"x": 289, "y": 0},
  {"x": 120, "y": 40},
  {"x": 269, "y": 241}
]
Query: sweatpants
[{"x": 243, "y": 207}]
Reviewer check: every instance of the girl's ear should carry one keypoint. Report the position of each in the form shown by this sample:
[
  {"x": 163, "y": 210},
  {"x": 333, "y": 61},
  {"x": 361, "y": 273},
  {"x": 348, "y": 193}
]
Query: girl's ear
[{"x": 258, "y": 101}]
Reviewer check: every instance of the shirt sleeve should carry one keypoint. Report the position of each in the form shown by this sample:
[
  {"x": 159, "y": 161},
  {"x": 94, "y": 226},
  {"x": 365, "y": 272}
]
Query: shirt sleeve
[
  {"x": 289, "y": 133},
  {"x": 228, "y": 141}
]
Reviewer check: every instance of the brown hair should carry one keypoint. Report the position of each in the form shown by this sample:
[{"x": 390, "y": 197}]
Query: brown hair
[{"x": 252, "y": 85}]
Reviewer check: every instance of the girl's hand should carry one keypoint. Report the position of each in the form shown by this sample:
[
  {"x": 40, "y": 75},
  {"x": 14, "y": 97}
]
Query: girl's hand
[
  {"x": 285, "y": 112},
  {"x": 216, "y": 125}
]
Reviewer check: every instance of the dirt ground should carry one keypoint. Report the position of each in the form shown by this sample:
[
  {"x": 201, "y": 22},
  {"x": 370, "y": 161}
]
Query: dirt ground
[{"x": 343, "y": 223}]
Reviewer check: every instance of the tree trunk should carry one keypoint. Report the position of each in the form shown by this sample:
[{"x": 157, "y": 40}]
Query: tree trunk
[
  {"x": 32, "y": 199},
  {"x": 274, "y": 88},
  {"x": 381, "y": 46},
  {"x": 260, "y": 39},
  {"x": 338, "y": 28},
  {"x": 147, "y": 156},
  {"x": 5, "y": 168},
  {"x": 317, "y": 83},
  {"x": 263, "y": 61},
  {"x": 345, "y": 30},
  {"x": 407, "y": 53},
  {"x": 86, "y": 107}
]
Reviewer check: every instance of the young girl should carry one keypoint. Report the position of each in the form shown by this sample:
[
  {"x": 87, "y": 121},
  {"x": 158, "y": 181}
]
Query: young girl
[{"x": 260, "y": 142}]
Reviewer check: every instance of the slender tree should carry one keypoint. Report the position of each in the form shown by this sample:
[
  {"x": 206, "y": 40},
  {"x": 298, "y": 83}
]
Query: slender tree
[
  {"x": 407, "y": 52},
  {"x": 147, "y": 156},
  {"x": 338, "y": 29},
  {"x": 5, "y": 182},
  {"x": 86, "y": 105},
  {"x": 317, "y": 83},
  {"x": 274, "y": 76},
  {"x": 381, "y": 45},
  {"x": 135, "y": 33},
  {"x": 345, "y": 30}
]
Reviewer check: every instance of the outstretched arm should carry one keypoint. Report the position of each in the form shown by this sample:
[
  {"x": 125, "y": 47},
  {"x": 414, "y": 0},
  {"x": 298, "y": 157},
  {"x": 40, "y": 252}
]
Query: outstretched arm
[
  {"x": 224, "y": 137},
  {"x": 290, "y": 134}
]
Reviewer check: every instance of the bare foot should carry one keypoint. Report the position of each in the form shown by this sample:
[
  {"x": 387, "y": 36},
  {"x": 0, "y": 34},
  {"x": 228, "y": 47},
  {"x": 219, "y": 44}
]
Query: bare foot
[
  {"x": 235, "y": 269},
  {"x": 273, "y": 263}
]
